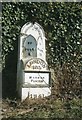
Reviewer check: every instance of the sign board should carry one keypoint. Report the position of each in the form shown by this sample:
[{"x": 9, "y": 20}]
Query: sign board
[
  {"x": 37, "y": 78},
  {"x": 36, "y": 64},
  {"x": 29, "y": 47}
]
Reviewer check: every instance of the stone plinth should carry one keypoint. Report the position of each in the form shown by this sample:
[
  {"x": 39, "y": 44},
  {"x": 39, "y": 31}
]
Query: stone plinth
[{"x": 35, "y": 92}]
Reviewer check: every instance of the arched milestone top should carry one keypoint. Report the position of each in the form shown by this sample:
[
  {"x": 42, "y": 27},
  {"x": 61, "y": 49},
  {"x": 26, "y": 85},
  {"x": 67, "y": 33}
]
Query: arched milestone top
[
  {"x": 29, "y": 25},
  {"x": 39, "y": 27},
  {"x": 32, "y": 41}
]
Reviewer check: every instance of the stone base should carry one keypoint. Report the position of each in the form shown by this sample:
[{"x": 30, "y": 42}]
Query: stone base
[{"x": 35, "y": 92}]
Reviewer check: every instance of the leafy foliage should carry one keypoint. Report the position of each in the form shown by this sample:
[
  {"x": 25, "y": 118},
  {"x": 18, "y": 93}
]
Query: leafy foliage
[
  {"x": 43, "y": 108},
  {"x": 62, "y": 25}
]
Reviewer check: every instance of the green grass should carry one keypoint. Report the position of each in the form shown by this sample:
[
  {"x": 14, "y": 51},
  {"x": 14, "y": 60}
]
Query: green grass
[{"x": 49, "y": 108}]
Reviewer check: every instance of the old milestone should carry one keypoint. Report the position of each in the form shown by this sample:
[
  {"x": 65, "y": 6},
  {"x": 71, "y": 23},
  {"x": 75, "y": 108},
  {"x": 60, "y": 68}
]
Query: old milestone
[{"x": 33, "y": 76}]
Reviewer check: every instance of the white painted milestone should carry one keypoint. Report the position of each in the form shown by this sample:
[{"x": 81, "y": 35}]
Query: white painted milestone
[{"x": 33, "y": 76}]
